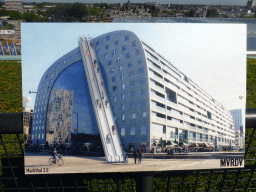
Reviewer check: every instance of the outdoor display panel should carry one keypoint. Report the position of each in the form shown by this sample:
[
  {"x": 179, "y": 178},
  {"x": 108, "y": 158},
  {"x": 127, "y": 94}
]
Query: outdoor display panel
[{"x": 174, "y": 93}]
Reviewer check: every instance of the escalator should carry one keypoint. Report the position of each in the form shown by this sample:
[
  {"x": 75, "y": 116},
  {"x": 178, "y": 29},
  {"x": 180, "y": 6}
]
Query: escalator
[{"x": 105, "y": 120}]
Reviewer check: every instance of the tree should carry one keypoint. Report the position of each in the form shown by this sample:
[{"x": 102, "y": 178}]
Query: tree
[
  {"x": 212, "y": 13},
  {"x": 31, "y": 17},
  {"x": 5, "y": 23}
]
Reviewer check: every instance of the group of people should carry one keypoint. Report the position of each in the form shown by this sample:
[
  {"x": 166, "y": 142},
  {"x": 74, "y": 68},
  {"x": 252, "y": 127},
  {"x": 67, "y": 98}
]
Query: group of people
[{"x": 137, "y": 154}]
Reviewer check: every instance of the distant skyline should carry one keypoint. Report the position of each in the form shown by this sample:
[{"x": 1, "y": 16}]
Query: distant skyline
[{"x": 201, "y": 2}]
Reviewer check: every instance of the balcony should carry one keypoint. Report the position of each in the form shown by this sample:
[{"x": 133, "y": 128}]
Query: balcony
[
  {"x": 160, "y": 109},
  {"x": 190, "y": 120},
  {"x": 192, "y": 139},
  {"x": 172, "y": 87},
  {"x": 171, "y": 103},
  {"x": 158, "y": 78},
  {"x": 174, "y": 137},
  {"x": 151, "y": 57},
  {"x": 174, "y": 114},
  {"x": 158, "y": 119},
  {"x": 174, "y": 124},
  {"x": 189, "y": 127}
]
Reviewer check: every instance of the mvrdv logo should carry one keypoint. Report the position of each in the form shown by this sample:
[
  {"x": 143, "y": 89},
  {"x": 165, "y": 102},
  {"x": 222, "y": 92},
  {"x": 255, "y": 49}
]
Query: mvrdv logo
[{"x": 231, "y": 162}]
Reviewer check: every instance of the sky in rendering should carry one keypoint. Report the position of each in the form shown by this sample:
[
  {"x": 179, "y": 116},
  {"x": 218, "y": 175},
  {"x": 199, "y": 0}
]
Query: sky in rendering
[
  {"x": 203, "y": 2},
  {"x": 212, "y": 55}
]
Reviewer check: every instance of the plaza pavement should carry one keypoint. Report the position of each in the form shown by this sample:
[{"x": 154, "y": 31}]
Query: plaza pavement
[{"x": 85, "y": 164}]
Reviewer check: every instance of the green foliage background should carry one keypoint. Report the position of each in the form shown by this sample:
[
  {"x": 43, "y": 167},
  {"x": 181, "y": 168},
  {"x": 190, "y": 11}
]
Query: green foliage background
[{"x": 11, "y": 101}]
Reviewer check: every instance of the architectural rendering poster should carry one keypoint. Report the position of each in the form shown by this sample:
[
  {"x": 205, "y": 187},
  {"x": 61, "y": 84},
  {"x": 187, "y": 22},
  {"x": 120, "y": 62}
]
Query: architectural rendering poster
[{"x": 133, "y": 97}]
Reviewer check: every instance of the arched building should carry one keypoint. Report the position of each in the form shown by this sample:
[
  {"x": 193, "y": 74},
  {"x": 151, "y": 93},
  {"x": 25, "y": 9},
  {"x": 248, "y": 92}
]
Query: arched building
[{"x": 151, "y": 100}]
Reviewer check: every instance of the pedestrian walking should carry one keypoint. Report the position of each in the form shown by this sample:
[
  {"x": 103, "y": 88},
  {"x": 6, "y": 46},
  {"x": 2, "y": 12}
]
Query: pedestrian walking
[
  {"x": 97, "y": 101},
  {"x": 106, "y": 102},
  {"x": 95, "y": 63},
  {"x": 98, "y": 69},
  {"x": 99, "y": 106},
  {"x": 135, "y": 156},
  {"x": 101, "y": 81},
  {"x": 140, "y": 156},
  {"x": 108, "y": 138},
  {"x": 113, "y": 129}
]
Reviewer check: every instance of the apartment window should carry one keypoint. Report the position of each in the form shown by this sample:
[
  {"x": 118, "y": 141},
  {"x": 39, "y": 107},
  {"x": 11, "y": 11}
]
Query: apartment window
[
  {"x": 127, "y": 55},
  {"x": 107, "y": 47},
  {"x": 142, "y": 81},
  {"x": 79, "y": 53},
  {"x": 39, "y": 136},
  {"x": 121, "y": 67},
  {"x": 139, "y": 61},
  {"x": 114, "y": 51},
  {"x": 141, "y": 70},
  {"x": 143, "y": 91},
  {"x": 122, "y": 77},
  {"x": 113, "y": 79},
  {"x": 114, "y": 108},
  {"x": 132, "y": 83},
  {"x": 123, "y": 107},
  {"x": 42, "y": 136},
  {"x": 122, "y": 131},
  {"x": 71, "y": 57},
  {"x": 124, "y": 48},
  {"x": 144, "y": 114},
  {"x": 143, "y": 102},
  {"x": 116, "y": 42},
  {"x": 123, "y": 117},
  {"x": 107, "y": 38},
  {"x": 97, "y": 43},
  {"x": 114, "y": 88},
  {"x": 130, "y": 64},
  {"x": 134, "y": 43},
  {"x": 131, "y": 73},
  {"x": 133, "y": 94},
  {"x": 115, "y": 98},
  {"x": 137, "y": 51},
  {"x": 118, "y": 59},
  {"x": 98, "y": 51},
  {"x": 127, "y": 38},
  {"x": 105, "y": 56},
  {"x": 110, "y": 62},
  {"x": 133, "y": 115},
  {"x": 133, "y": 105},
  {"x": 132, "y": 130},
  {"x": 115, "y": 118},
  {"x": 112, "y": 71},
  {"x": 143, "y": 130},
  {"x": 123, "y": 86},
  {"x": 123, "y": 96}
]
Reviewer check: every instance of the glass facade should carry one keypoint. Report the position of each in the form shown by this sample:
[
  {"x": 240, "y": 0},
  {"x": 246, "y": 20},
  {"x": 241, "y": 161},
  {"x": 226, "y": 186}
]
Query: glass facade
[{"x": 70, "y": 108}]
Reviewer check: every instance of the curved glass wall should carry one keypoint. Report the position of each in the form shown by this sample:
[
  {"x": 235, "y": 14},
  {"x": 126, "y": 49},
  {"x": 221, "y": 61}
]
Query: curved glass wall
[{"x": 70, "y": 108}]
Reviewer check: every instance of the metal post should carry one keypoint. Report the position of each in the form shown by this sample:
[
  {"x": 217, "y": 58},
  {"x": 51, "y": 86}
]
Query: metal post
[
  {"x": 250, "y": 118},
  {"x": 145, "y": 182}
]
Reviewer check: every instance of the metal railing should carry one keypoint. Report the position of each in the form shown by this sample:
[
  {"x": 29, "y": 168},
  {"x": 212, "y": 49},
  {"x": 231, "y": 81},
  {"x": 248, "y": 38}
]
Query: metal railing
[{"x": 210, "y": 180}]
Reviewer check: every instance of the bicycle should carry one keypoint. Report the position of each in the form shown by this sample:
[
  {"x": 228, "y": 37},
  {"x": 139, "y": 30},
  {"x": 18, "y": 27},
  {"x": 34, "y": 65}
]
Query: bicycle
[{"x": 60, "y": 160}]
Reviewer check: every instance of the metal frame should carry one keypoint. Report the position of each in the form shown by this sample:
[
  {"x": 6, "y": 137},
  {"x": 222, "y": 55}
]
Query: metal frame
[{"x": 12, "y": 168}]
